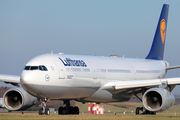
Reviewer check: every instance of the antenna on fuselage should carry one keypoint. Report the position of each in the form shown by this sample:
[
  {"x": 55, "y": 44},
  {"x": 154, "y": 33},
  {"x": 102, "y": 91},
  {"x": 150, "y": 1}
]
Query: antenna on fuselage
[{"x": 52, "y": 52}]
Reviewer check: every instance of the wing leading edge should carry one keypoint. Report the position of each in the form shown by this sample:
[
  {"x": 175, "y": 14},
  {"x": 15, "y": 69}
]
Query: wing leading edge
[
  {"x": 130, "y": 84},
  {"x": 12, "y": 79}
]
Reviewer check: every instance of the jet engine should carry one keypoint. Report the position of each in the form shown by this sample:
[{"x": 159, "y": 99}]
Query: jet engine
[
  {"x": 158, "y": 99},
  {"x": 18, "y": 99}
]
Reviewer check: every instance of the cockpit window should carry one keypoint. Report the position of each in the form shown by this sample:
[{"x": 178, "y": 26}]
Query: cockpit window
[
  {"x": 45, "y": 69},
  {"x": 34, "y": 68},
  {"x": 27, "y": 68},
  {"x": 41, "y": 67}
]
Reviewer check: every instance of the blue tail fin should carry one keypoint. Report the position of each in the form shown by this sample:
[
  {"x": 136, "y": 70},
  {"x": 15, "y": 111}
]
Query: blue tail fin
[{"x": 157, "y": 48}]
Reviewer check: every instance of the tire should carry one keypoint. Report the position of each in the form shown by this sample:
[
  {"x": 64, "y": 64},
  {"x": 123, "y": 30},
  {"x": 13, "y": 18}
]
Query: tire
[
  {"x": 71, "y": 110},
  {"x": 137, "y": 110},
  {"x": 40, "y": 111},
  {"x": 47, "y": 111},
  {"x": 60, "y": 110},
  {"x": 76, "y": 110},
  {"x": 141, "y": 110},
  {"x": 152, "y": 113}
]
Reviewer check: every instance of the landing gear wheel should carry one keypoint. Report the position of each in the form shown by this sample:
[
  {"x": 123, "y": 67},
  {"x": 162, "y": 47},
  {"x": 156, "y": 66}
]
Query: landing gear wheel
[
  {"x": 71, "y": 110},
  {"x": 61, "y": 111},
  {"x": 153, "y": 113},
  {"x": 41, "y": 111},
  {"x": 139, "y": 110},
  {"x": 76, "y": 110},
  {"x": 47, "y": 111},
  {"x": 143, "y": 111},
  {"x": 149, "y": 112}
]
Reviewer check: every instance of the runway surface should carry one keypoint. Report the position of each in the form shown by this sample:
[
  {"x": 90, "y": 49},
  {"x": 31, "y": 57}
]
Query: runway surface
[{"x": 85, "y": 116}]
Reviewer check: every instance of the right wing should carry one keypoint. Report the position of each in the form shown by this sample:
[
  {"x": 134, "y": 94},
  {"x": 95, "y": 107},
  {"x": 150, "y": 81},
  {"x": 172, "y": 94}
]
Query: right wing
[{"x": 12, "y": 79}]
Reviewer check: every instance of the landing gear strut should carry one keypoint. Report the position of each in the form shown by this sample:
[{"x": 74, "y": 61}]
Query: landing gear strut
[
  {"x": 68, "y": 109},
  {"x": 44, "y": 110}
]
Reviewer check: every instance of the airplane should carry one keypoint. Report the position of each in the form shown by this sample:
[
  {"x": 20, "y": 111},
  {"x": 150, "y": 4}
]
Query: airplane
[
  {"x": 96, "y": 79},
  {"x": 1, "y": 103}
]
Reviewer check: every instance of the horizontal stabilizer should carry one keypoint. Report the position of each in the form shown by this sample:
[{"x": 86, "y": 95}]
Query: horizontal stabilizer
[{"x": 172, "y": 67}]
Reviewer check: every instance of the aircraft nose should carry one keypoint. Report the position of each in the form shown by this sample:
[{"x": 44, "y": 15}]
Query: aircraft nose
[{"x": 27, "y": 77}]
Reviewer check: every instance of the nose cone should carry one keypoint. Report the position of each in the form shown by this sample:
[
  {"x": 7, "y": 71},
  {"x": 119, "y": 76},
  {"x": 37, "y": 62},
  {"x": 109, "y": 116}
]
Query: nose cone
[
  {"x": 27, "y": 77},
  {"x": 27, "y": 81}
]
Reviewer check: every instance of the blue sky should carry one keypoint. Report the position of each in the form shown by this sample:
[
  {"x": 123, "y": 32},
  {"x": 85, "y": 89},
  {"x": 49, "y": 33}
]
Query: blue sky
[{"x": 86, "y": 27}]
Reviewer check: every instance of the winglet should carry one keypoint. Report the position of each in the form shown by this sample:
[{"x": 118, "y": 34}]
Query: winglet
[{"x": 157, "y": 48}]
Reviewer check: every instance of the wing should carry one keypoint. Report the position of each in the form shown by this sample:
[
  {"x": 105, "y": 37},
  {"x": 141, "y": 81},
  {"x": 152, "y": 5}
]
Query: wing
[
  {"x": 12, "y": 79},
  {"x": 117, "y": 86}
]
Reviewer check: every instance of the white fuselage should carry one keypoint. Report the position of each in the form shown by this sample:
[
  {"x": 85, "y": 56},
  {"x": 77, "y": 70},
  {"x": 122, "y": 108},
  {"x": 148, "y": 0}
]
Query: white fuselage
[{"x": 81, "y": 77}]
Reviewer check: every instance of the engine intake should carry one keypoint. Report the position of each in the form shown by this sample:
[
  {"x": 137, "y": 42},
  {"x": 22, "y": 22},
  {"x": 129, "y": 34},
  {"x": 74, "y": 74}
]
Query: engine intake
[
  {"x": 18, "y": 99},
  {"x": 158, "y": 99}
]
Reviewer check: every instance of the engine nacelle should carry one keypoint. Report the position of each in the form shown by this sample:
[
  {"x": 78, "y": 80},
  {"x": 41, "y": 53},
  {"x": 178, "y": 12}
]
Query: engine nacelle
[
  {"x": 18, "y": 99},
  {"x": 158, "y": 99}
]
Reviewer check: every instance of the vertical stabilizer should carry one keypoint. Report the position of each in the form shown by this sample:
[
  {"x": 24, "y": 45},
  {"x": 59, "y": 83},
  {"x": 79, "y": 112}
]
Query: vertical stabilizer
[{"x": 157, "y": 48}]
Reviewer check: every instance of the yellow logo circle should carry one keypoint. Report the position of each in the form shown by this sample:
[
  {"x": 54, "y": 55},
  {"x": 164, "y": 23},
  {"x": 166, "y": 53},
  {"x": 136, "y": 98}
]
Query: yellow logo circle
[{"x": 163, "y": 30}]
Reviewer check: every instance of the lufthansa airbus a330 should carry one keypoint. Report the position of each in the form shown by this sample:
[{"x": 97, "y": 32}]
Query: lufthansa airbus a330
[{"x": 95, "y": 79}]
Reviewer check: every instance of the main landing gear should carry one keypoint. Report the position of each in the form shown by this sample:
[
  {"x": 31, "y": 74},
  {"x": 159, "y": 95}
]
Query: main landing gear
[
  {"x": 44, "y": 110},
  {"x": 68, "y": 109},
  {"x": 143, "y": 111}
]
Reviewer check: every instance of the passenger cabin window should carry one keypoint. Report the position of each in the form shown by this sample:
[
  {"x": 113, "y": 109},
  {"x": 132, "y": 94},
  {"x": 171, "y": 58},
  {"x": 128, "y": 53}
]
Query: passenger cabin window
[{"x": 41, "y": 67}]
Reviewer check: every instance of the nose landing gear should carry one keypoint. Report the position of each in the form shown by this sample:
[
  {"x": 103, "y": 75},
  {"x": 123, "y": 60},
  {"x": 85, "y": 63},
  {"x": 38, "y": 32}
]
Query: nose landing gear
[
  {"x": 44, "y": 110},
  {"x": 61, "y": 111}
]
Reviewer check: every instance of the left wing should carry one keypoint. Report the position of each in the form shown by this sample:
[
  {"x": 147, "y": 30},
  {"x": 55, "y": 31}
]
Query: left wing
[
  {"x": 133, "y": 84},
  {"x": 12, "y": 79}
]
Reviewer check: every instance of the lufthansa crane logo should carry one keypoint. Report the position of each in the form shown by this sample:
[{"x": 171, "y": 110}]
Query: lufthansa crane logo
[
  {"x": 163, "y": 30},
  {"x": 47, "y": 77}
]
